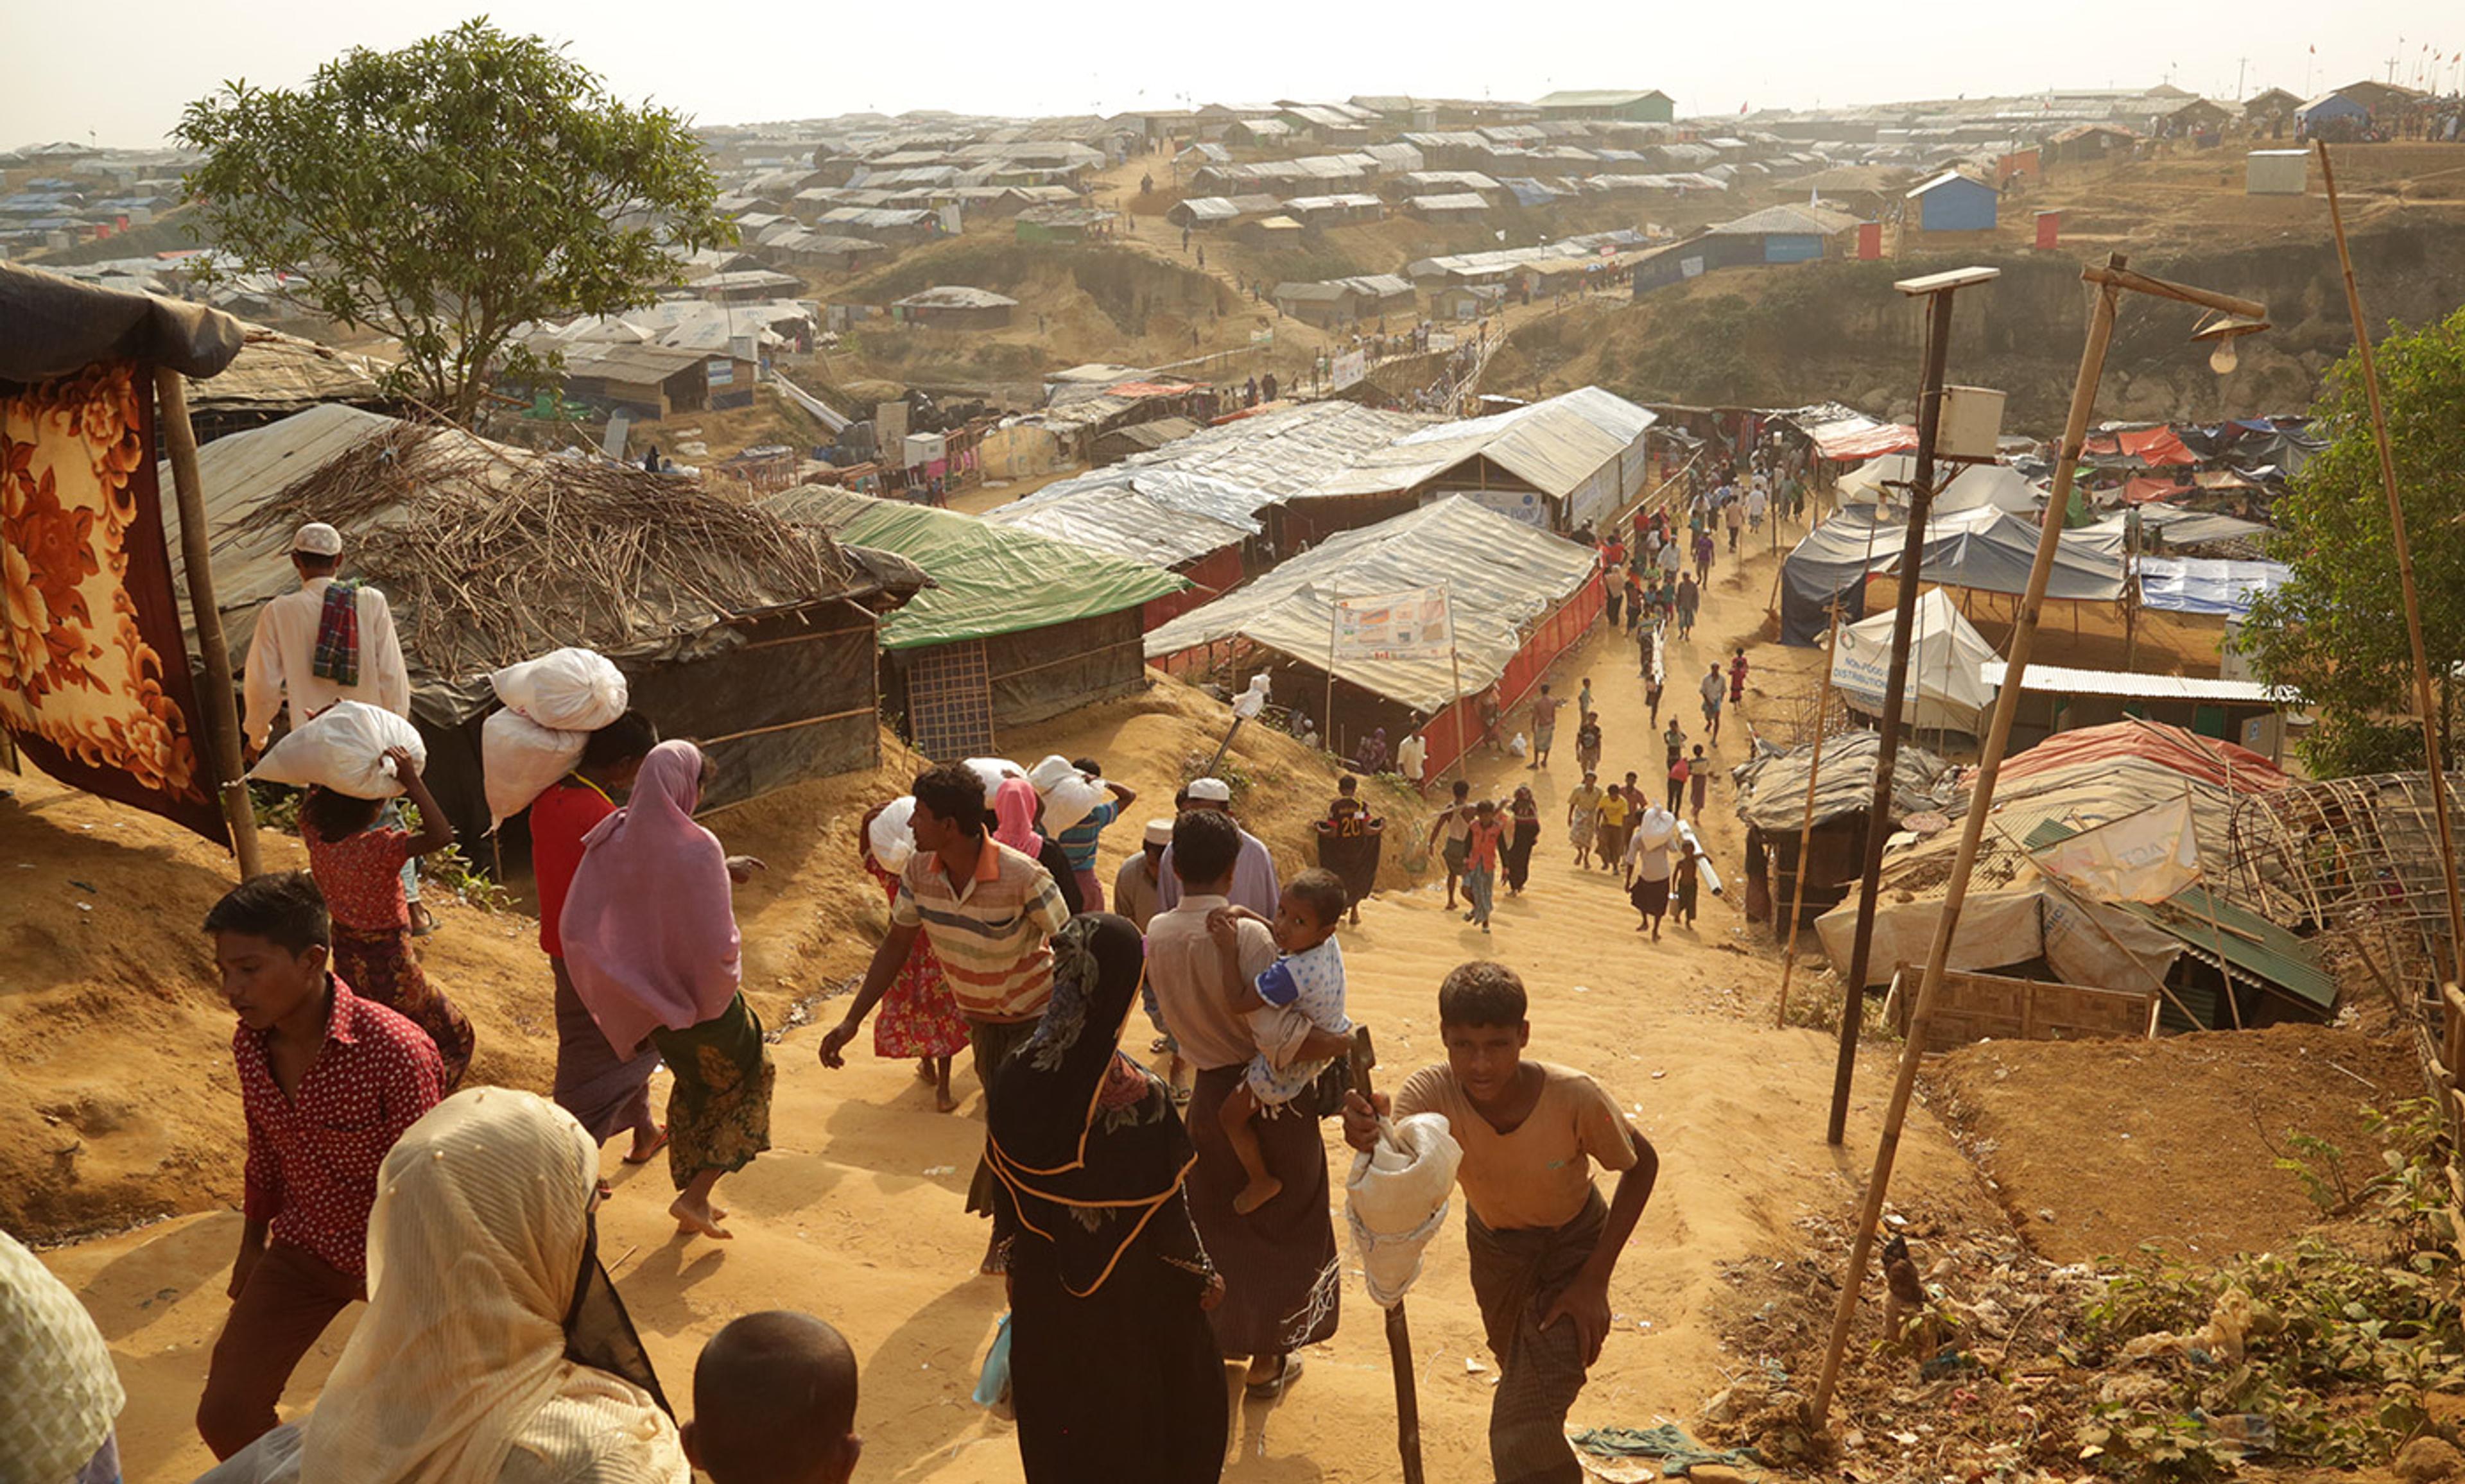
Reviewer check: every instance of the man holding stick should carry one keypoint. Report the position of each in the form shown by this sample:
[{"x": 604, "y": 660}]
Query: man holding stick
[{"x": 1541, "y": 1241}]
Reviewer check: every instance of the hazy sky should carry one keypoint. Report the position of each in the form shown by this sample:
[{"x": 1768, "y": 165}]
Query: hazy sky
[{"x": 764, "y": 60}]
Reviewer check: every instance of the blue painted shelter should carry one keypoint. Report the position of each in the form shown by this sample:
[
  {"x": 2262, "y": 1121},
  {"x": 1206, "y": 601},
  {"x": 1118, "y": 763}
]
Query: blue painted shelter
[
  {"x": 2328, "y": 107},
  {"x": 1953, "y": 202}
]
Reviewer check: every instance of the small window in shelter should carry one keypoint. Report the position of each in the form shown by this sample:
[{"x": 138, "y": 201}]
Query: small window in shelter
[{"x": 950, "y": 701}]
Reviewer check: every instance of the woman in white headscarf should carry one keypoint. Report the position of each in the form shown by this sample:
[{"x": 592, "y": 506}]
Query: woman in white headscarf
[{"x": 493, "y": 1348}]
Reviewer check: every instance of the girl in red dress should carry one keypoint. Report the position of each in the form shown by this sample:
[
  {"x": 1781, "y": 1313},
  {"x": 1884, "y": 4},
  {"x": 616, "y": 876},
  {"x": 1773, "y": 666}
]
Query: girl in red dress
[{"x": 918, "y": 1016}]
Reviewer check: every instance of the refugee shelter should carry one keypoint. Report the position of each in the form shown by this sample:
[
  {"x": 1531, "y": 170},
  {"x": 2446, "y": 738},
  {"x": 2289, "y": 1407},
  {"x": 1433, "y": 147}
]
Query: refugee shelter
[
  {"x": 1772, "y": 800},
  {"x": 955, "y": 307},
  {"x": 1016, "y": 627},
  {"x": 1785, "y": 235},
  {"x": 1981, "y": 548},
  {"x": 1116, "y": 518},
  {"x": 1560, "y": 464},
  {"x": 1953, "y": 202},
  {"x": 1518, "y": 598},
  {"x": 755, "y": 639},
  {"x": 1946, "y": 690}
]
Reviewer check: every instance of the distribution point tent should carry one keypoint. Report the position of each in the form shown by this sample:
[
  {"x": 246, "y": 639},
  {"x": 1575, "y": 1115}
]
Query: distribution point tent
[
  {"x": 1519, "y": 597},
  {"x": 1945, "y": 689},
  {"x": 1976, "y": 485},
  {"x": 1016, "y": 627},
  {"x": 1984, "y": 549}
]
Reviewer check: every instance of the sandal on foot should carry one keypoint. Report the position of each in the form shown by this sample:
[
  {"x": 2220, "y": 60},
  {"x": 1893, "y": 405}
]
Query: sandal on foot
[
  {"x": 652, "y": 1153},
  {"x": 1273, "y": 1387}
]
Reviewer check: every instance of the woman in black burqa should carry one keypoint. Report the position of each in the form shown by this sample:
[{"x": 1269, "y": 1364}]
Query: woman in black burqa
[{"x": 1115, "y": 1372}]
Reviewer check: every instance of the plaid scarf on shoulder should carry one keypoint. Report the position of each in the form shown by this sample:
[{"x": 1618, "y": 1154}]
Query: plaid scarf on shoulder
[{"x": 338, "y": 636}]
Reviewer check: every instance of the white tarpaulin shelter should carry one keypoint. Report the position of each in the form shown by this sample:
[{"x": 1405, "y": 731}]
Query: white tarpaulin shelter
[
  {"x": 1945, "y": 691},
  {"x": 1975, "y": 486},
  {"x": 1583, "y": 448},
  {"x": 1502, "y": 576},
  {"x": 1121, "y": 519}
]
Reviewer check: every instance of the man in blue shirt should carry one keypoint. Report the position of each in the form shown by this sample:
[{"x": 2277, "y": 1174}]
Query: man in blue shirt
[{"x": 1078, "y": 841}]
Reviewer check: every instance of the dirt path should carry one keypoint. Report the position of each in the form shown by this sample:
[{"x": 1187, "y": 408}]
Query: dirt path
[{"x": 856, "y": 1213}]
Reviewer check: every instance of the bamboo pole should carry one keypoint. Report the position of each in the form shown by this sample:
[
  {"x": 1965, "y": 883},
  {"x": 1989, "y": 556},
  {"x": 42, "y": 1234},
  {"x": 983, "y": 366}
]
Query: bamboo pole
[
  {"x": 219, "y": 712},
  {"x": 1806, "y": 826},
  {"x": 2007, "y": 705},
  {"x": 2432, "y": 760}
]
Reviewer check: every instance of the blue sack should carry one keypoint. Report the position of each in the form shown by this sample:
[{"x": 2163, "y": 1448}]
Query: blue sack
[{"x": 992, "y": 1388}]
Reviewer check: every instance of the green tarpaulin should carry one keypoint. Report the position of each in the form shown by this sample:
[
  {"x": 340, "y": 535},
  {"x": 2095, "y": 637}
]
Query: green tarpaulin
[{"x": 987, "y": 579}]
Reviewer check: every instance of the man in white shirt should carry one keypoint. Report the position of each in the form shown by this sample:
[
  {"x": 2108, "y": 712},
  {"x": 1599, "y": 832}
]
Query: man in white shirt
[
  {"x": 310, "y": 651},
  {"x": 282, "y": 661}
]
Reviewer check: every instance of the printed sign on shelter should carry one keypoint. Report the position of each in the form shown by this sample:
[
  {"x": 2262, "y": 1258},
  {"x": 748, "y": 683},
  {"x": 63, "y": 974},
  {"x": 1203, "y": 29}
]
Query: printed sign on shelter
[
  {"x": 1414, "y": 625},
  {"x": 1350, "y": 368}
]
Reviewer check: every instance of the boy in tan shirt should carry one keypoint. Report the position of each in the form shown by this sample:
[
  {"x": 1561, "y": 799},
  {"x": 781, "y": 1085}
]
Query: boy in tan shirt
[{"x": 1541, "y": 1241}]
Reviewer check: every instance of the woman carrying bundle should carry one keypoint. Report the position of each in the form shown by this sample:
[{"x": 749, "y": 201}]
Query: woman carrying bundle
[
  {"x": 650, "y": 939},
  {"x": 359, "y": 867}
]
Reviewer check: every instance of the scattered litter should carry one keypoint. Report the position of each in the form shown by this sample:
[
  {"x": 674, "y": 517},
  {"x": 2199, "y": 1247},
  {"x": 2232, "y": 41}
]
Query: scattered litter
[
  {"x": 941, "y": 1169},
  {"x": 1473, "y": 1366},
  {"x": 1658, "y": 1075}
]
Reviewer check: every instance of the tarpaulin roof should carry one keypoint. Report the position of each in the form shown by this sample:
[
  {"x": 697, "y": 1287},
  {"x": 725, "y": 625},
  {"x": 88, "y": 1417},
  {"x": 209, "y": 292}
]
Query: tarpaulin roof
[
  {"x": 2256, "y": 950},
  {"x": 51, "y": 326},
  {"x": 1945, "y": 685},
  {"x": 1982, "y": 548},
  {"x": 1502, "y": 576},
  {"x": 1971, "y": 485},
  {"x": 1253, "y": 462},
  {"x": 1118, "y": 520},
  {"x": 1841, "y": 432},
  {"x": 2195, "y": 584},
  {"x": 2152, "y": 446},
  {"x": 987, "y": 579},
  {"x": 2130, "y": 685},
  {"x": 1556, "y": 446},
  {"x": 2179, "y": 526},
  {"x": 1771, "y": 785}
]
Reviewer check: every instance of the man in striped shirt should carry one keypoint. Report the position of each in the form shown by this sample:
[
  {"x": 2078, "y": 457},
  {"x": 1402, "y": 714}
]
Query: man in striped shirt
[{"x": 989, "y": 912}]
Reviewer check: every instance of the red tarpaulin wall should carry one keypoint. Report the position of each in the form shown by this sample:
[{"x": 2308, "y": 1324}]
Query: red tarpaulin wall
[
  {"x": 1450, "y": 733},
  {"x": 1214, "y": 575}
]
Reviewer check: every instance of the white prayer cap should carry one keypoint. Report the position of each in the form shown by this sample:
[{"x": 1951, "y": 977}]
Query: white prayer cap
[
  {"x": 1159, "y": 832},
  {"x": 1209, "y": 790},
  {"x": 316, "y": 539}
]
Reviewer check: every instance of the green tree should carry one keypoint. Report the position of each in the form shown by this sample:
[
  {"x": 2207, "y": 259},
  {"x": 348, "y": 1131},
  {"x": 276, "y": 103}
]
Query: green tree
[
  {"x": 449, "y": 192},
  {"x": 2336, "y": 630}
]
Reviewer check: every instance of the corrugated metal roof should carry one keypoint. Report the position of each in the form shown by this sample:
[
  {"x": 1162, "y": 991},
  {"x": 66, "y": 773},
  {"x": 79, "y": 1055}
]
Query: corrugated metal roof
[{"x": 2059, "y": 679}]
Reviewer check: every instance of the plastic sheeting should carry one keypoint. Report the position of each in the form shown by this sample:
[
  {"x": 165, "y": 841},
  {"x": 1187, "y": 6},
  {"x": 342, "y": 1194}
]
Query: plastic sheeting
[
  {"x": 1501, "y": 577},
  {"x": 1771, "y": 785},
  {"x": 1982, "y": 548},
  {"x": 1120, "y": 520},
  {"x": 1975, "y": 486},
  {"x": 1563, "y": 446},
  {"x": 2192, "y": 585},
  {"x": 1999, "y": 929},
  {"x": 1944, "y": 687},
  {"x": 1201, "y": 496},
  {"x": 987, "y": 579}
]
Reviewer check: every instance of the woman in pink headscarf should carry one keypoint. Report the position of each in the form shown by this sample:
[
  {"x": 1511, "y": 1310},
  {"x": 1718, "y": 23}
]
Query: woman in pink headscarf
[
  {"x": 1016, "y": 807},
  {"x": 651, "y": 944}
]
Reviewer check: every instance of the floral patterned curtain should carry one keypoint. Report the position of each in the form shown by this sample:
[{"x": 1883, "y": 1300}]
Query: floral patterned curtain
[{"x": 94, "y": 678}]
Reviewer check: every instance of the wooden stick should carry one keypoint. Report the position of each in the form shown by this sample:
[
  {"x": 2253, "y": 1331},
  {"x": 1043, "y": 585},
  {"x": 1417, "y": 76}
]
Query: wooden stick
[
  {"x": 220, "y": 713},
  {"x": 1399, "y": 1334},
  {"x": 2432, "y": 760},
  {"x": 1806, "y": 826},
  {"x": 2007, "y": 705}
]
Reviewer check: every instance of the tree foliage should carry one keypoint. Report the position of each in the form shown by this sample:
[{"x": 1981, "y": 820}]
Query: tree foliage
[
  {"x": 449, "y": 192},
  {"x": 2336, "y": 630}
]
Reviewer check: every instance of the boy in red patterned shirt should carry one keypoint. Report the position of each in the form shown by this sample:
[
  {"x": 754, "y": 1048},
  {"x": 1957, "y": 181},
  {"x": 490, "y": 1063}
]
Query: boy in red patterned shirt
[{"x": 328, "y": 1081}]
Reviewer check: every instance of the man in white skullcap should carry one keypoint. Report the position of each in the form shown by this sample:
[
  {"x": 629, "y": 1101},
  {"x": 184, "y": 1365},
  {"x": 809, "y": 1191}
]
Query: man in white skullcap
[
  {"x": 1253, "y": 874},
  {"x": 331, "y": 639}
]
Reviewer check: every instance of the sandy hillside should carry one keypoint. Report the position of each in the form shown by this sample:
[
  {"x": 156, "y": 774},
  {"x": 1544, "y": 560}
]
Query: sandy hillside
[{"x": 856, "y": 1214}]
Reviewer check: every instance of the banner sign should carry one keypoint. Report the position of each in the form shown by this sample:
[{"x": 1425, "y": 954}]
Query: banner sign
[{"x": 1414, "y": 625}]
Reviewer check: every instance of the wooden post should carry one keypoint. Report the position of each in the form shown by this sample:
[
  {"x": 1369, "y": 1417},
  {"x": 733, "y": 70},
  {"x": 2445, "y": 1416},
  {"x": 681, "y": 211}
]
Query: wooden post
[
  {"x": 220, "y": 713},
  {"x": 1334, "y": 624},
  {"x": 1454, "y": 669},
  {"x": 2111, "y": 280},
  {"x": 1806, "y": 826},
  {"x": 1887, "y": 753},
  {"x": 2432, "y": 762}
]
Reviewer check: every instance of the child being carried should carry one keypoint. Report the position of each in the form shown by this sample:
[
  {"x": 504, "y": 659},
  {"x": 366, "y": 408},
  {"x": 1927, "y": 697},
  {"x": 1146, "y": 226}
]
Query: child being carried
[{"x": 1302, "y": 990}]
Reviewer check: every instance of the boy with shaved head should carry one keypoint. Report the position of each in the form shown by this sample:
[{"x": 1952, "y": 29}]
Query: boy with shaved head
[{"x": 774, "y": 1403}]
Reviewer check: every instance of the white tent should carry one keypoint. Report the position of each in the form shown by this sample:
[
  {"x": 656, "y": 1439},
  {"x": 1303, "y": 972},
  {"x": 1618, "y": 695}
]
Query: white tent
[
  {"x": 1999, "y": 485},
  {"x": 1945, "y": 691}
]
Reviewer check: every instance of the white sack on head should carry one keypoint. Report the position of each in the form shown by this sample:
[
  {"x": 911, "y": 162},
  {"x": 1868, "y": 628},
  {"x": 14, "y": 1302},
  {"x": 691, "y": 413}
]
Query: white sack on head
[
  {"x": 343, "y": 748},
  {"x": 519, "y": 759},
  {"x": 567, "y": 690},
  {"x": 1395, "y": 1200},
  {"x": 1051, "y": 770},
  {"x": 891, "y": 836},
  {"x": 994, "y": 770}
]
